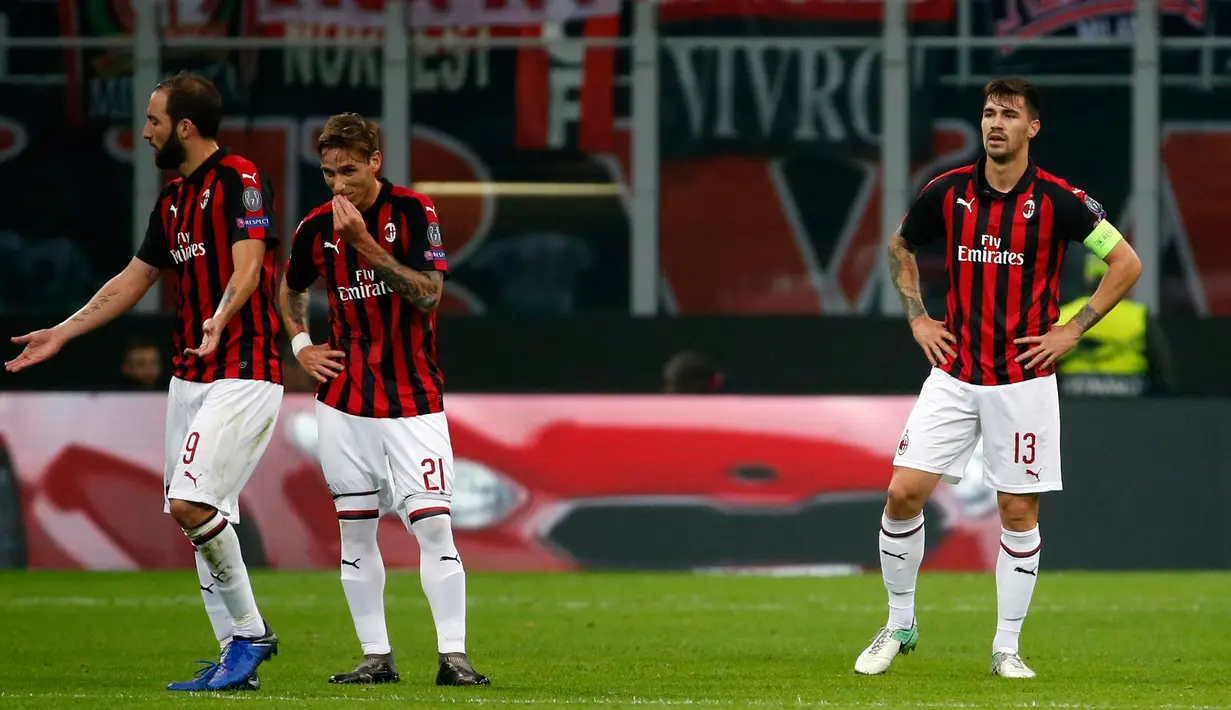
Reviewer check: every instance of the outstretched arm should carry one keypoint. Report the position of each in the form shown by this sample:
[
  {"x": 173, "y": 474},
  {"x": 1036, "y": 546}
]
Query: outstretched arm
[{"x": 116, "y": 296}]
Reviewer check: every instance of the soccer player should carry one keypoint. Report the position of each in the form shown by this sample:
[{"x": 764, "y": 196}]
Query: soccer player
[
  {"x": 1007, "y": 224},
  {"x": 384, "y": 439},
  {"x": 212, "y": 231}
]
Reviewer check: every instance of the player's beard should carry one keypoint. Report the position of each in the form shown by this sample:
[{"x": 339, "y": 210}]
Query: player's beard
[{"x": 171, "y": 155}]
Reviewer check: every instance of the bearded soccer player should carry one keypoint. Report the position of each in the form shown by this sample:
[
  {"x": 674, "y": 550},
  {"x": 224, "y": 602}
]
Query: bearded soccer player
[
  {"x": 212, "y": 232},
  {"x": 1006, "y": 224},
  {"x": 384, "y": 439}
]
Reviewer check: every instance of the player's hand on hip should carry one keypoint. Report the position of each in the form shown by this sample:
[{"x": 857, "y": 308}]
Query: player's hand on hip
[
  {"x": 321, "y": 362},
  {"x": 209, "y": 339},
  {"x": 1048, "y": 347},
  {"x": 347, "y": 222},
  {"x": 40, "y": 345},
  {"x": 934, "y": 338}
]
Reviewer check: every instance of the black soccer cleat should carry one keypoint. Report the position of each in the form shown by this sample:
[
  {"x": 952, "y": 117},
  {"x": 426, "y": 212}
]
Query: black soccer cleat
[
  {"x": 375, "y": 668},
  {"x": 456, "y": 670}
]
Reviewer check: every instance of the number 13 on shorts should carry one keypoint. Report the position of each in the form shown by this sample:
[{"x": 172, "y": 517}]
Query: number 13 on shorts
[{"x": 1023, "y": 447}]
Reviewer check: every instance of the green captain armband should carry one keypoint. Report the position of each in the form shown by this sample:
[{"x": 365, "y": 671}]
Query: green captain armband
[{"x": 1102, "y": 239}]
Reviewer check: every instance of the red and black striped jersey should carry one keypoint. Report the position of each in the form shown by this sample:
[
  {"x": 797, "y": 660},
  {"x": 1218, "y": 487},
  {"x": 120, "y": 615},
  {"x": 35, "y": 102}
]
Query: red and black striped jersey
[
  {"x": 390, "y": 345},
  {"x": 1003, "y": 257},
  {"x": 191, "y": 233}
]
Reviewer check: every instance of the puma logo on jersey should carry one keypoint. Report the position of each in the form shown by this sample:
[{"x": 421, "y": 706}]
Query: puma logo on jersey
[
  {"x": 332, "y": 245},
  {"x": 247, "y": 176},
  {"x": 968, "y": 205},
  {"x": 432, "y": 210},
  {"x": 175, "y": 210}
]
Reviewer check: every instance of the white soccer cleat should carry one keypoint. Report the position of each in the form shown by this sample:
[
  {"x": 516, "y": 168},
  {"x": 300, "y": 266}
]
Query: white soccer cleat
[
  {"x": 1008, "y": 664},
  {"x": 887, "y": 644}
]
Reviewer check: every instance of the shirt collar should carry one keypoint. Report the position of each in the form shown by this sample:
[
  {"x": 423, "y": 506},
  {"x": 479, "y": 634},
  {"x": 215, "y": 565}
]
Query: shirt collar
[{"x": 982, "y": 186}]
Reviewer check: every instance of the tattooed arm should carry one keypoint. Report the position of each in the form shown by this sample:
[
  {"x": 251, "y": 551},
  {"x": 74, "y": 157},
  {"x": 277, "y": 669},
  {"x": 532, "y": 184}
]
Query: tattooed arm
[
  {"x": 294, "y": 305},
  {"x": 904, "y": 270},
  {"x": 249, "y": 256},
  {"x": 115, "y": 297},
  {"x": 931, "y": 335},
  {"x": 421, "y": 288},
  {"x": 1123, "y": 268}
]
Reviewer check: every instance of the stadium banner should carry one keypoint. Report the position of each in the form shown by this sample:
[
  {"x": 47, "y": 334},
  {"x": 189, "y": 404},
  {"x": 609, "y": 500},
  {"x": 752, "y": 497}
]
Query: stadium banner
[
  {"x": 542, "y": 483},
  {"x": 282, "y": 15},
  {"x": 770, "y": 141}
]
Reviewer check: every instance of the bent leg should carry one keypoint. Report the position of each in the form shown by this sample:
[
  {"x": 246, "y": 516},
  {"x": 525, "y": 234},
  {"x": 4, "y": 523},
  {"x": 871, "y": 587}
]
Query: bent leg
[
  {"x": 939, "y": 437},
  {"x": 225, "y": 439}
]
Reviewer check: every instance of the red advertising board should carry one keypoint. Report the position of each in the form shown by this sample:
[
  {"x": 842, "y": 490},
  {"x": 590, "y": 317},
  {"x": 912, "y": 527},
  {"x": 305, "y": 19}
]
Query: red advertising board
[{"x": 543, "y": 483}]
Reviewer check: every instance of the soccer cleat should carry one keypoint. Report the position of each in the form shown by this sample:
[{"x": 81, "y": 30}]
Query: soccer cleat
[
  {"x": 885, "y": 646},
  {"x": 239, "y": 663},
  {"x": 1008, "y": 664},
  {"x": 375, "y": 668},
  {"x": 455, "y": 669},
  {"x": 206, "y": 673}
]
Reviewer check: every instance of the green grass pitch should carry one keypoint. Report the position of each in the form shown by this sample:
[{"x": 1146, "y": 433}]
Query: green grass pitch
[{"x": 102, "y": 640}]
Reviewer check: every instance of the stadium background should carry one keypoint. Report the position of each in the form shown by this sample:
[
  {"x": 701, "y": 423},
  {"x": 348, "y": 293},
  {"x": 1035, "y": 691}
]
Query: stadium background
[{"x": 619, "y": 184}]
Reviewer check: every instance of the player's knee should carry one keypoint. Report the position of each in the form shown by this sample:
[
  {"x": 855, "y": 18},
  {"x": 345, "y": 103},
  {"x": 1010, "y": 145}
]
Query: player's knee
[
  {"x": 906, "y": 495},
  {"x": 434, "y": 532},
  {"x": 190, "y": 514},
  {"x": 1019, "y": 513}
]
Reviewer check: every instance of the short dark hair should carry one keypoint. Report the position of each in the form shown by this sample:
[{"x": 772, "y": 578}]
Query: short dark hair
[
  {"x": 350, "y": 132},
  {"x": 193, "y": 97},
  {"x": 1006, "y": 89},
  {"x": 691, "y": 373}
]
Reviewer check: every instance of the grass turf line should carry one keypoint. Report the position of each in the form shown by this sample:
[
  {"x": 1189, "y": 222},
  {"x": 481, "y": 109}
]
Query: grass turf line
[{"x": 101, "y": 640}]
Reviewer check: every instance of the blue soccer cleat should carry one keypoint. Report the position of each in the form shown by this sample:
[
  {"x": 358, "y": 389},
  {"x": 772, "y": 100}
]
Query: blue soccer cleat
[
  {"x": 238, "y": 665},
  {"x": 206, "y": 673}
]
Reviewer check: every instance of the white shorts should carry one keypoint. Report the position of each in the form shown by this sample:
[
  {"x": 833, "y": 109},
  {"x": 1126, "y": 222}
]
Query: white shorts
[
  {"x": 1019, "y": 423},
  {"x": 216, "y": 434},
  {"x": 407, "y": 462}
]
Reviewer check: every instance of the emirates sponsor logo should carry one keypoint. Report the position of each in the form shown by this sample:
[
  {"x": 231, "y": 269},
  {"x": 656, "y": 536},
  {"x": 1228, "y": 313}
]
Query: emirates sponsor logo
[
  {"x": 366, "y": 286},
  {"x": 187, "y": 249},
  {"x": 989, "y": 253}
]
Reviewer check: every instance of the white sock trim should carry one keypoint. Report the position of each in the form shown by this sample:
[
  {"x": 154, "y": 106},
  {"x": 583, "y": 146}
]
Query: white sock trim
[{"x": 900, "y": 528}]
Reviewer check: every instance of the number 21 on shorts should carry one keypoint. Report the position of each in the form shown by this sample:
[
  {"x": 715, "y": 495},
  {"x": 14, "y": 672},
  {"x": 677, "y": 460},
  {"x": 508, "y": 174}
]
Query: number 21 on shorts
[
  {"x": 434, "y": 475},
  {"x": 1023, "y": 447}
]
